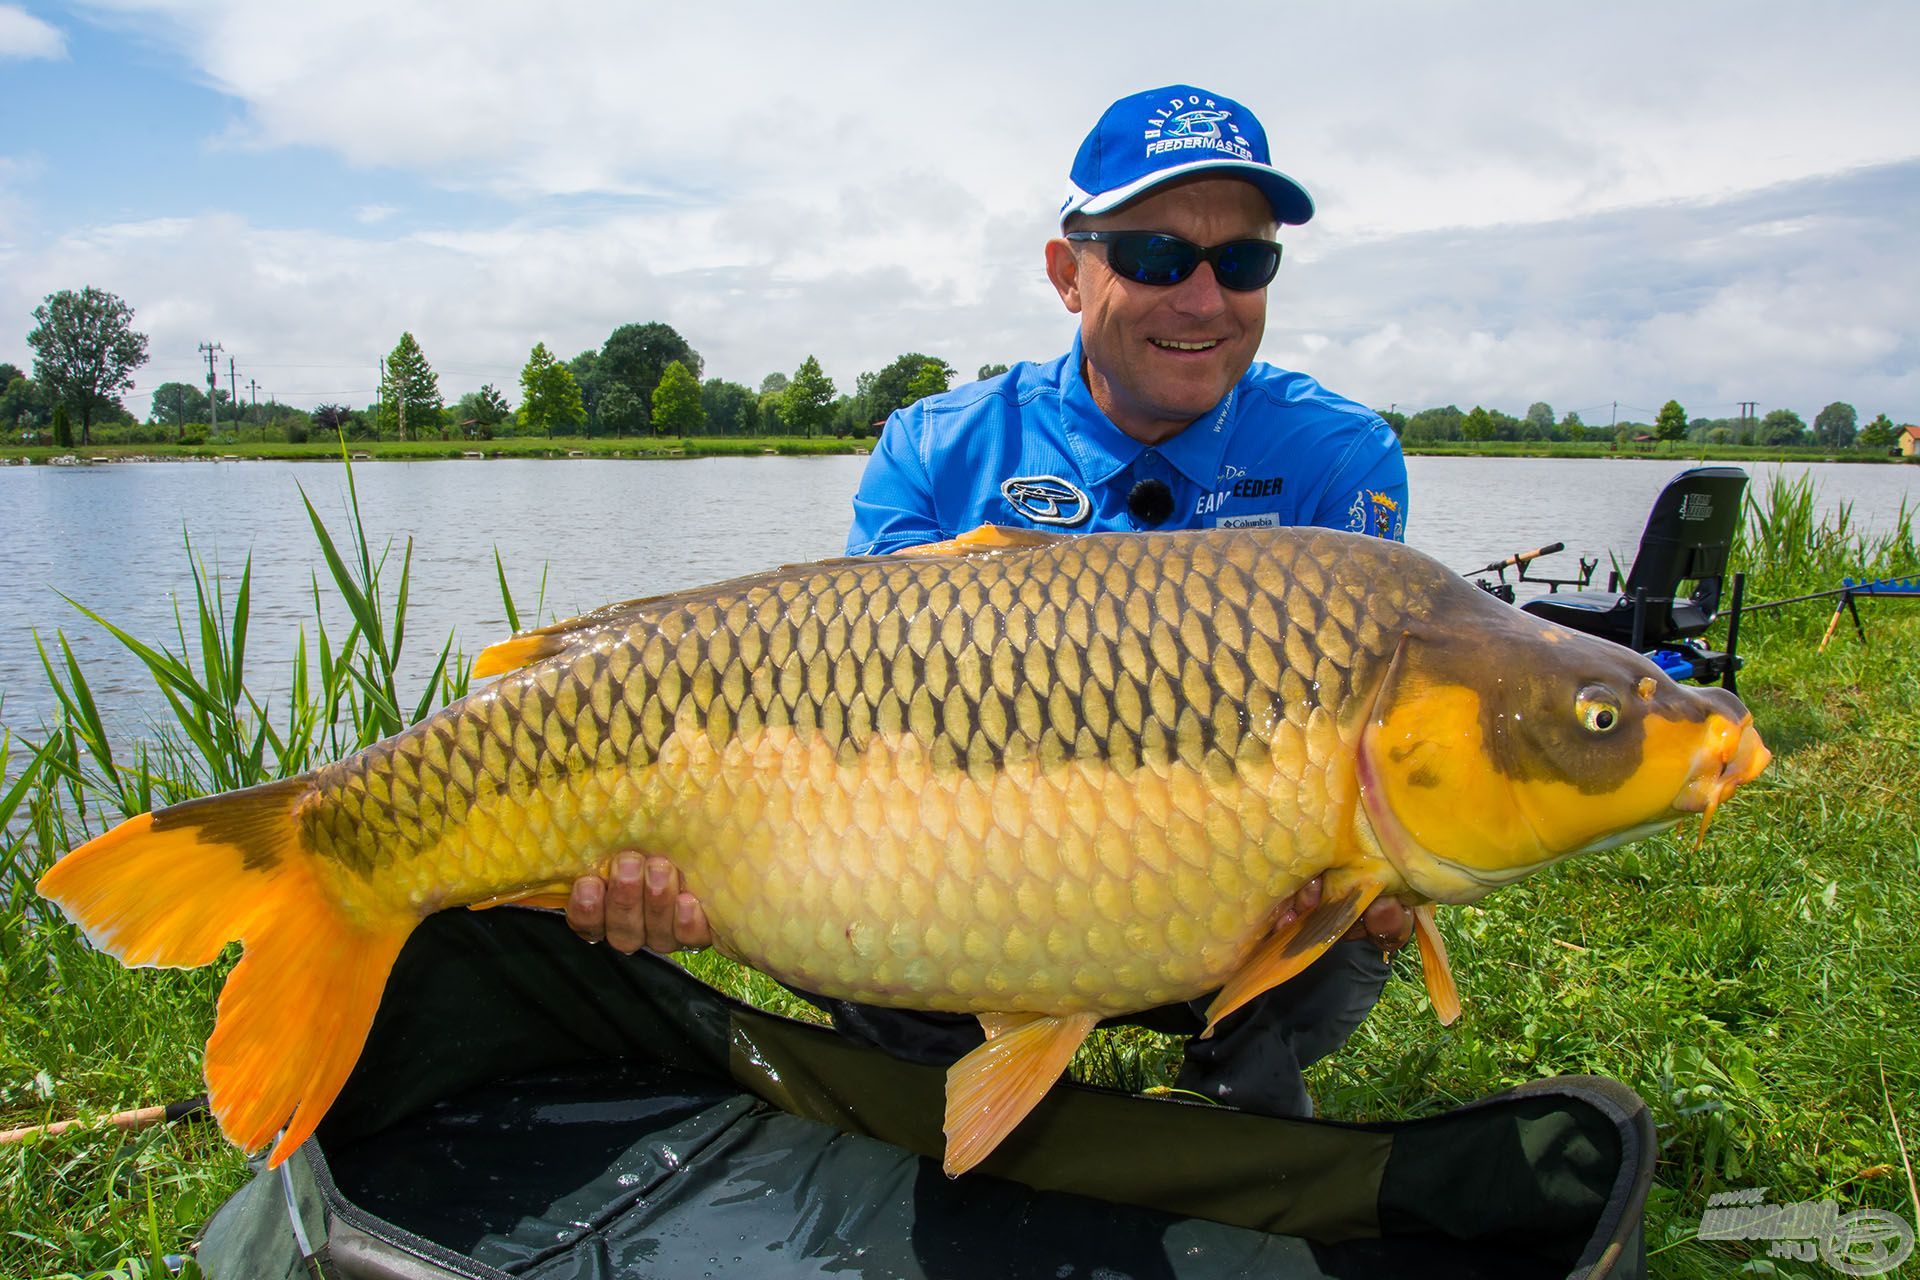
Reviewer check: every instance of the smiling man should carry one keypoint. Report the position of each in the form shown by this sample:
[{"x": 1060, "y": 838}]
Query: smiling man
[{"x": 1159, "y": 417}]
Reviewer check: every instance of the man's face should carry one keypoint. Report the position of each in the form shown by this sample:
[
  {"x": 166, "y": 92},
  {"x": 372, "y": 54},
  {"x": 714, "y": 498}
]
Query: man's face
[{"x": 1159, "y": 356}]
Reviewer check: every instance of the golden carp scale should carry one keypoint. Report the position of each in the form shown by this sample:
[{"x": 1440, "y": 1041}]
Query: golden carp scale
[{"x": 1078, "y": 781}]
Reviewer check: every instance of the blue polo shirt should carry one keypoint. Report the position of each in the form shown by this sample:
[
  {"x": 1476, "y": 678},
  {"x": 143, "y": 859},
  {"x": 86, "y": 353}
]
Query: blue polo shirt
[{"x": 1031, "y": 449}]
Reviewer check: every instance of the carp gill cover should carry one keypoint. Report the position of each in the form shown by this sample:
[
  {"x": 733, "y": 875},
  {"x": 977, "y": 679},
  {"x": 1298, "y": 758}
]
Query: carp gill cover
[{"x": 1044, "y": 780}]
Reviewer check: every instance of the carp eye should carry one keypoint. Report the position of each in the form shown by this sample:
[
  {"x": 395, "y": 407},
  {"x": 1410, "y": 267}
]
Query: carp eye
[{"x": 1598, "y": 709}]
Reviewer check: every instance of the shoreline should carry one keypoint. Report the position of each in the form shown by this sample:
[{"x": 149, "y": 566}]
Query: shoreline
[{"x": 643, "y": 449}]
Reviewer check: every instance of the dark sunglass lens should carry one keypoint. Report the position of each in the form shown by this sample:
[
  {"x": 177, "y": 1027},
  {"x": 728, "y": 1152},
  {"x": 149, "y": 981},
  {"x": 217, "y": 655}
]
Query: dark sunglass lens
[
  {"x": 1246, "y": 264},
  {"x": 1152, "y": 259}
]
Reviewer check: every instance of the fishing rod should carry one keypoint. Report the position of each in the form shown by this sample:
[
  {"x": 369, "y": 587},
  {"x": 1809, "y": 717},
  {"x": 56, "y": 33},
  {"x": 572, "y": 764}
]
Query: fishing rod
[{"x": 132, "y": 1121}]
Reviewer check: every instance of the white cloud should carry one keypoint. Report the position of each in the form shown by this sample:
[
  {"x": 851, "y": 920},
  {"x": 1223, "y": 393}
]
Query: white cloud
[
  {"x": 24, "y": 36},
  {"x": 1576, "y": 205}
]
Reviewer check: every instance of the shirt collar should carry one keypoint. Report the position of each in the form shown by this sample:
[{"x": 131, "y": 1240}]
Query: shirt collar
[{"x": 1103, "y": 450}]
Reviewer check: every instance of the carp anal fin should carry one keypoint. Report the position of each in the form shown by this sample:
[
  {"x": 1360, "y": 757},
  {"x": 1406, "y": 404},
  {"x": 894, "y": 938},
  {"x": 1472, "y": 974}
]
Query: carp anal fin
[
  {"x": 1291, "y": 948},
  {"x": 993, "y": 1088},
  {"x": 172, "y": 888},
  {"x": 988, "y": 537},
  {"x": 1434, "y": 966}
]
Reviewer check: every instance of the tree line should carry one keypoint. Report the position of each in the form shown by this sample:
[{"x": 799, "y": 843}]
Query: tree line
[
  {"x": 646, "y": 379},
  {"x": 1835, "y": 427}
]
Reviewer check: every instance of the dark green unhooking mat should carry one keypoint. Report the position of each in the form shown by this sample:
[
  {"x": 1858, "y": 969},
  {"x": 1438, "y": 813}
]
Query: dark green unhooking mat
[{"x": 530, "y": 1106}]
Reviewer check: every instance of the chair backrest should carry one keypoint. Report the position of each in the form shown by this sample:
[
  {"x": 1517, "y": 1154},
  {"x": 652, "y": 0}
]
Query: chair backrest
[{"x": 1688, "y": 536}]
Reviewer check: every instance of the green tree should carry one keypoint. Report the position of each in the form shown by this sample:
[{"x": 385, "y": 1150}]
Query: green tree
[
  {"x": 623, "y": 411},
  {"x": 481, "y": 412},
  {"x": 1782, "y": 426},
  {"x": 638, "y": 355},
  {"x": 1878, "y": 434},
  {"x": 889, "y": 389},
  {"x": 676, "y": 401},
  {"x": 585, "y": 369},
  {"x": 410, "y": 400},
  {"x": 732, "y": 410},
  {"x": 1572, "y": 427},
  {"x": 1445, "y": 422},
  {"x": 1394, "y": 419},
  {"x": 773, "y": 383},
  {"x": 930, "y": 379},
  {"x": 177, "y": 404},
  {"x": 23, "y": 405},
  {"x": 773, "y": 411},
  {"x": 549, "y": 397},
  {"x": 85, "y": 351},
  {"x": 1540, "y": 420},
  {"x": 990, "y": 371},
  {"x": 808, "y": 399},
  {"x": 1670, "y": 423},
  {"x": 1835, "y": 425},
  {"x": 1477, "y": 425},
  {"x": 62, "y": 426}
]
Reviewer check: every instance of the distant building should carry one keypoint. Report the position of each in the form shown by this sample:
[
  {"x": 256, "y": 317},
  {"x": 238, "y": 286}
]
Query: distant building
[{"x": 1909, "y": 440}]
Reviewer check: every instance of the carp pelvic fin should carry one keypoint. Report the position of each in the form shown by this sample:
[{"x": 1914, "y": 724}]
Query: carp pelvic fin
[
  {"x": 1434, "y": 966},
  {"x": 548, "y": 897},
  {"x": 988, "y": 537},
  {"x": 1296, "y": 944},
  {"x": 993, "y": 1088},
  {"x": 172, "y": 888}
]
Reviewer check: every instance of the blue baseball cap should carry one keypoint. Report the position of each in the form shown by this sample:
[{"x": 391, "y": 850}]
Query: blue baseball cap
[{"x": 1149, "y": 138}]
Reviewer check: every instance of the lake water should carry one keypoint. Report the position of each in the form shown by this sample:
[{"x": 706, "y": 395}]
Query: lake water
[{"x": 110, "y": 537}]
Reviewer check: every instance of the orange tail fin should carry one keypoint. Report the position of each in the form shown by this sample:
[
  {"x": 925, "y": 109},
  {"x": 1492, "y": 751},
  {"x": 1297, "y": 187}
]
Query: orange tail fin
[{"x": 172, "y": 888}]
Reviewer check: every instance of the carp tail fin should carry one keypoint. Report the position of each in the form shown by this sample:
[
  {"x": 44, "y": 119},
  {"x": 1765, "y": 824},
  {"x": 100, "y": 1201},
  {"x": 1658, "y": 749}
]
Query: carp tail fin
[
  {"x": 1435, "y": 967},
  {"x": 993, "y": 1088},
  {"x": 1295, "y": 945},
  {"x": 174, "y": 887}
]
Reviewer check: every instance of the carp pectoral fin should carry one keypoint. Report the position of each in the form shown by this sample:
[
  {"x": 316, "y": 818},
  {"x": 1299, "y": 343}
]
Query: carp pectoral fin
[
  {"x": 521, "y": 651},
  {"x": 993, "y": 1088},
  {"x": 988, "y": 537},
  {"x": 552, "y": 897},
  {"x": 1295, "y": 945},
  {"x": 1434, "y": 966}
]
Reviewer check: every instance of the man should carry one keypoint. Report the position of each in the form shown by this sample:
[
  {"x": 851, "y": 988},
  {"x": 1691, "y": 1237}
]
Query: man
[{"x": 1157, "y": 418}]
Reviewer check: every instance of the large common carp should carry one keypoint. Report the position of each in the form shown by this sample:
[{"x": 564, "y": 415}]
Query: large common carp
[{"x": 1042, "y": 780}]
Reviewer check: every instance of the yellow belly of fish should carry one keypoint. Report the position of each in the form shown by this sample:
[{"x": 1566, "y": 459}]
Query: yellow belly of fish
[{"x": 1021, "y": 888}]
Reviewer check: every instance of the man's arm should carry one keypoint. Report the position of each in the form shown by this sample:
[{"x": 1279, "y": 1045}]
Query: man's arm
[{"x": 894, "y": 506}]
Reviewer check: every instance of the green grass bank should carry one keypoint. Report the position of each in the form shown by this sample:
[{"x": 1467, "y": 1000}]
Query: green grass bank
[
  {"x": 651, "y": 447},
  {"x": 1761, "y": 989}
]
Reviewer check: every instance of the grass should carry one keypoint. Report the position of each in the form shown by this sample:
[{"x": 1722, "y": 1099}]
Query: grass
[
  {"x": 1761, "y": 990},
  {"x": 325, "y": 449}
]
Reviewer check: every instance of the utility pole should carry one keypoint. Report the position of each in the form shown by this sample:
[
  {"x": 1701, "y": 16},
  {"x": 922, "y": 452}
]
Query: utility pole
[
  {"x": 1616, "y": 415},
  {"x": 213, "y": 408},
  {"x": 233, "y": 389},
  {"x": 253, "y": 385},
  {"x": 1746, "y": 415}
]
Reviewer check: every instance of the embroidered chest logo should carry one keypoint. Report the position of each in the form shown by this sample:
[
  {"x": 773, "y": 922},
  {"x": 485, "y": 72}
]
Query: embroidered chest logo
[
  {"x": 1194, "y": 123},
  {"x": 1047, "y": 499}
]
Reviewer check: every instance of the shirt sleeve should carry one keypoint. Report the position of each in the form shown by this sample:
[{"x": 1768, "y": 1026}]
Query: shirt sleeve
[
  {"x": 1368, "y": 494},
  {"x": 893, "y": 507}
]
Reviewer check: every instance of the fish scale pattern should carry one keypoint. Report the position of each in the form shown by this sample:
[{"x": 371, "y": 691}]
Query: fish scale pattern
[{"x": 1074, "y": 777}]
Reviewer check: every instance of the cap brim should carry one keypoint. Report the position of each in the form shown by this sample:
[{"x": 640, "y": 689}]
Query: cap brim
[{"x": 1291, "y": 203}]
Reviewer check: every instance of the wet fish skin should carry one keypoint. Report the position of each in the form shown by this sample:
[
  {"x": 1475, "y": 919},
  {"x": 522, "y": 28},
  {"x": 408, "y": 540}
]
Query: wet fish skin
[{"x": 1039, "y": 780}]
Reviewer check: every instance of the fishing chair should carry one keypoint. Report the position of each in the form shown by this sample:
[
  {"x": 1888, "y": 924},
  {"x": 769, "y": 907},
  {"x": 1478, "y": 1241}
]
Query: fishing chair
[{"x": 1686, "y": 543}]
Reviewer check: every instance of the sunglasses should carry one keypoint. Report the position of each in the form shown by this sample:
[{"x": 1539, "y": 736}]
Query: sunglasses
[{"x": 1152, "y": 257}]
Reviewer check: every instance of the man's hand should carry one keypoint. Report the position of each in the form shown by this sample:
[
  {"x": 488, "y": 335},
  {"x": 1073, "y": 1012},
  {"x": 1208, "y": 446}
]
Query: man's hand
[
  {"x": 642, "y": 903},
  {"x": 1387, "y": 923}
]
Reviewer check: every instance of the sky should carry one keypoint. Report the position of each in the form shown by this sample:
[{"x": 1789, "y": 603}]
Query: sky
[{"x": 1587, "y": 205}]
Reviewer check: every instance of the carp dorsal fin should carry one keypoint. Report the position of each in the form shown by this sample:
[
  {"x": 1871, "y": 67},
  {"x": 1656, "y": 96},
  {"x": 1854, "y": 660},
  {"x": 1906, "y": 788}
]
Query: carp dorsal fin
[
  {"x": 988, "y": 537},
  {"x": 993, "y": 1088},
  {"x": 1296, "y": 944},
  {"x": 1434, "y": 966}
]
